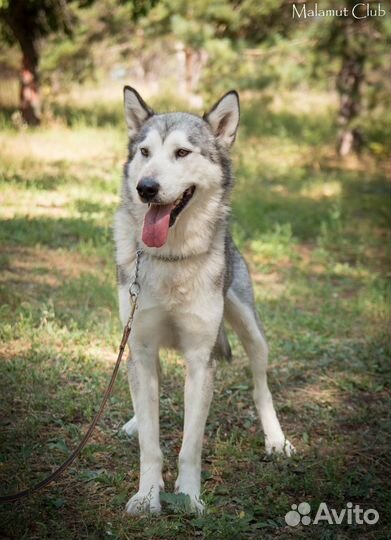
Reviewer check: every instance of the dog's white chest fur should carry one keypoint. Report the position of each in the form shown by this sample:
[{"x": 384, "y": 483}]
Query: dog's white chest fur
[{"x": 177, "y": 301}]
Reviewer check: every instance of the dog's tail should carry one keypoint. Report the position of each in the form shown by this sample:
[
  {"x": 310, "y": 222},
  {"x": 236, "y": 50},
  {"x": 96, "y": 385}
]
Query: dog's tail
[{"x": 222, "y": 348}]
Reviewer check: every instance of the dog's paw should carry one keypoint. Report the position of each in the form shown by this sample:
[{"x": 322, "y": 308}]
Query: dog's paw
[
  {"x": 279, "y": 446},
  {"x": 130, "y": 428},
  {"x": 192, "y": 504},
  {"x": 197, "y": 506},
  {"x": 144, "y": 503}
]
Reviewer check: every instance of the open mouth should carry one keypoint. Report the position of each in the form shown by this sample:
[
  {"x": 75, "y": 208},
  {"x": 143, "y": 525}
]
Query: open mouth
[
  {"x": 160, "y": 217},
  {"x": 180, "y": 204}
]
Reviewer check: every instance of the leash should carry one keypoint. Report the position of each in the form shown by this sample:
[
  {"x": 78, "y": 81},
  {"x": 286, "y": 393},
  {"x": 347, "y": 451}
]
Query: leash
[{"x": 134, "y": 291}]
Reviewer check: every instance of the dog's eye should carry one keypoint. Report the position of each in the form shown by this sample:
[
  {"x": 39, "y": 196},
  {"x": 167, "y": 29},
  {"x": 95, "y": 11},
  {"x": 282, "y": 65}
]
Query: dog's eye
[
  {"x": 144, "y": 152},
  {"x": 182, "y": 152}
]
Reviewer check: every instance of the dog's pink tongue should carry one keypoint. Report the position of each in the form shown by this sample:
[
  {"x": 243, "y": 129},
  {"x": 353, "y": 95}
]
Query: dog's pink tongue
[{"x": 156, "y": 224}]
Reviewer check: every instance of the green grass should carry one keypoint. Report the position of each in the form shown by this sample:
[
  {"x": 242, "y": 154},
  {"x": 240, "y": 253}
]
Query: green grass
[{"x": 313, "y": 229}]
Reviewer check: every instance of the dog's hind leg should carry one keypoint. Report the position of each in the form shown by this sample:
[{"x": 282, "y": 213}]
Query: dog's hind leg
[
  {"x": 242, "y": 316},
  {"x": 130, "y": 428}
]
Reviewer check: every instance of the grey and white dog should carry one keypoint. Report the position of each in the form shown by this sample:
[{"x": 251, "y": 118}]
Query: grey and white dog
[{"x": 175, "y": 207}]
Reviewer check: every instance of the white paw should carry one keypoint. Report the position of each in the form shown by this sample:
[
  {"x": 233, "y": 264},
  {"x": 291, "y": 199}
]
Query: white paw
[
  {"x": 194, "y": 504},
  {"x": 144, "y": 503},
  {"x": 279, "y": 446},
  {"x": 197, "y": 505},
  {"x": 130, "y": 428}
]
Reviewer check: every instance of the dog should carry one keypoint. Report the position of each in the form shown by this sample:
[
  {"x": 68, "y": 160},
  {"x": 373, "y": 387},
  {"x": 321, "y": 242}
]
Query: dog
[{"x": 175, "y": 206}]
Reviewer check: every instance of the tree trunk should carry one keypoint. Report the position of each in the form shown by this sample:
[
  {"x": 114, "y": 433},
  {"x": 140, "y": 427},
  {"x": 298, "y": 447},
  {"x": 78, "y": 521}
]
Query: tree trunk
[
  {"x": 24, "y": 19},
  {"x": 349, "y": 82},
  {"x": 189, "y": 67},
  {"x": 30, "y": 103}
]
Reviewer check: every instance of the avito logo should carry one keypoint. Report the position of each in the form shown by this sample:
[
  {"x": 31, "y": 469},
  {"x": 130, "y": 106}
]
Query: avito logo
[{"x": 300, "y": 514}]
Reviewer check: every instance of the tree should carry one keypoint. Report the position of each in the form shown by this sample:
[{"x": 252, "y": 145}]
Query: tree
[
  {"x": 346, "y": 49},
  {"x": 354, "y": 41},
  {"x": 214, "y": 30},
  {"x": 25, "y": 22}
]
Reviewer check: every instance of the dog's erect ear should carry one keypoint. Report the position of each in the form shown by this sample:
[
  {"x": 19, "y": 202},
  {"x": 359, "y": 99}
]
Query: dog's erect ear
[
  {"x": 223, "y": 118},
  {"x": 136, "y": 110}
]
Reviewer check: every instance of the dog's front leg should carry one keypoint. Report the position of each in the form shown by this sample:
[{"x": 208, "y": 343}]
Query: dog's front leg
[
  {"x": 200, "y": 368},
  {"x": 144, "y": 383}
]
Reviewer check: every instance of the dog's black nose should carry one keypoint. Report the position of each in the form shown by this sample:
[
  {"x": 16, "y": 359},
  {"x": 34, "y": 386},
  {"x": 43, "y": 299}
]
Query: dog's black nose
[{"x": 147, "y": 189}]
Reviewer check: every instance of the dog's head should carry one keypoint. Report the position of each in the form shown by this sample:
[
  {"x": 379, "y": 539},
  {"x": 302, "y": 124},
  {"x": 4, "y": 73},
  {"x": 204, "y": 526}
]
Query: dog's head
[{"x": 178, "y": 162}]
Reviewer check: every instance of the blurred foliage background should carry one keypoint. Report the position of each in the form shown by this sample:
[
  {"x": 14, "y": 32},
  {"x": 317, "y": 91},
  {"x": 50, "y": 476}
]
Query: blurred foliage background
[{"x": 198, "y": 48}]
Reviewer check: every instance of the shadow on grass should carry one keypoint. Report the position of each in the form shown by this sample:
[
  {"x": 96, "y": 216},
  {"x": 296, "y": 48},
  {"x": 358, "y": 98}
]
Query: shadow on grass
[
  {"x": 38, "y": 433},
  {"x": 334, "y": 406},
  {"x": 341, "y": 458},
  {"x": 259, "y": 205},
  {"x": 62, "y": 232},
  {"x": 6, "y": 114},
  {"x": 40, "y": 180},
  {"x": 257, "y": 215},
  {"x": 97, "y": 115},
  {"x": 257, "y": 120}
]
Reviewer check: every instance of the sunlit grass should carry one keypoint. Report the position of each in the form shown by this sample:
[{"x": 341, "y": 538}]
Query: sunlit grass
[{"x": 313, "y": 229}]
